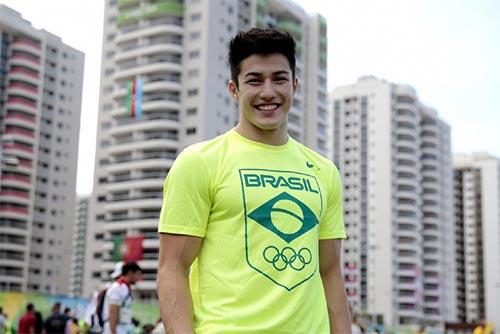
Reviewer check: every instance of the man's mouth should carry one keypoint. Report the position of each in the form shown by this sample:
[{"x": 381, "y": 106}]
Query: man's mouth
[{"x": 268, "y": 107}]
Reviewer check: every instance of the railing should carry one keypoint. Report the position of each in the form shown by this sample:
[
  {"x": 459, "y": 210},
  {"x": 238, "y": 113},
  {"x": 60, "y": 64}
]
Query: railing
[
  {"x": 11, "y": 208},
  {"x": 23, "y": 71},
  {"x": 22, "y": 101},
  {"x": 18, "y": 178},
  {"x": 19, "y": 148},
  {"x": 23, "y": 57},
  {"x": 23, "y": 41},
  {"x": 15, "y": 193},
  {"x": 25, "y": 133},
  {"x": 23, "y": 86}
]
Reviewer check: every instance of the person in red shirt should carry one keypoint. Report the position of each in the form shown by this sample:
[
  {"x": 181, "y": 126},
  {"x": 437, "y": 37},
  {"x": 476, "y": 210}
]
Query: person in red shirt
[{"x": 28, "y": 321}]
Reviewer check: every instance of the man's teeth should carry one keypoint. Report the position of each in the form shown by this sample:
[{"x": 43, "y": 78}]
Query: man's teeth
[{"x": 267, "y": 107}]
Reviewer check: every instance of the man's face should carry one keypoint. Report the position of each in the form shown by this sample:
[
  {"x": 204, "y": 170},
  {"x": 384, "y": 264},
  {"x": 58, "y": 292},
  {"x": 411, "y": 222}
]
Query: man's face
[
  {"x": 265, "y": 92},
  {"x": 135, "y": 276}
]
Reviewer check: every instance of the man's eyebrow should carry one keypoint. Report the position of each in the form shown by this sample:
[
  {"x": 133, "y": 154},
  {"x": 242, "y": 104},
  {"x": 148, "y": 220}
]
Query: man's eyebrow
[
  {"x": 281, "y": 73},
  {"x": 258, "y": 74},
  {"x": 254, "y": 74}
]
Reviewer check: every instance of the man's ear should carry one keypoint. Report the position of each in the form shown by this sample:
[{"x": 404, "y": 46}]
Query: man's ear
[
  {"x": 233, "y": 89},
  {"x": 295, "y": 85}
]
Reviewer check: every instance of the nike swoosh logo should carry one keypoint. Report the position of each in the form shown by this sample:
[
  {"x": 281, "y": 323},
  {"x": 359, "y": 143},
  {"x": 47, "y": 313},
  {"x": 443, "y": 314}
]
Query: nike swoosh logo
[{"x": 308, "y": 164}]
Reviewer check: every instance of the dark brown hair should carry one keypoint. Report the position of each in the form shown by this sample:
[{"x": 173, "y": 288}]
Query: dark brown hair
[{"x": 259, "y": 41}]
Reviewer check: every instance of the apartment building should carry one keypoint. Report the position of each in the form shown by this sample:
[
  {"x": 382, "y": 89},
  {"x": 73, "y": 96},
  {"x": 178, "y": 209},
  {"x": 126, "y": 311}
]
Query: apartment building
[
  {"x": 40, "y": 101},
  {"x": 78, "y": 246},
  {"x": 394, "y": 156},
  {"x": 175, "y": 54},
  {"x": 477, "y": 228}
]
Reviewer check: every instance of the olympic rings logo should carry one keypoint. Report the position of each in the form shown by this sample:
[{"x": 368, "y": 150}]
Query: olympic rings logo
[{"x": 287, "y": 257}]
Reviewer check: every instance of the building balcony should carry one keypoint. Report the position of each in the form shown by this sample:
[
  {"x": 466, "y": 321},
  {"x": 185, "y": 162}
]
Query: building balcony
[
  {"x": 134, "y": 203},
  {"x": 157, "y": 86},
  {"x": 17, "y": 88},
  {"x": 15, "y": 196},
  {"x": 163, "y": 162},
  {"x": 149, "y": 106},
  {"x": 15, "y": 210},
  {"x": 144, "y": 69},
  {"x": 23, "y": 44},
  {"x": 21, "y": 134},
  {"x": 407, "y": 119},
  {"x": 25, "y": 61},
  {"x": 150, "y": 30},
  {"x": 21, "y": 104},
  {"x": 6, "y": 177},
  {"x": 24, "y": 75},
  {"x": 18, "y": 119},
  {"x": 143, "y": 124}
]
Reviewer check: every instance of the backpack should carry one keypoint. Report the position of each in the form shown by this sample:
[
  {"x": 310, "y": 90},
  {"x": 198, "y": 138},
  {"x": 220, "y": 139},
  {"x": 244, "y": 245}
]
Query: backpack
[{"x": 100, "y": 306}]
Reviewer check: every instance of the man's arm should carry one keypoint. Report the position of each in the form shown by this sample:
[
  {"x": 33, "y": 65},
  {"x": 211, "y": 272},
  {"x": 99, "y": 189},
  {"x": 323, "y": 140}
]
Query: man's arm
[
  {"x": 333, "y": 282},
  {"x": 114, "y": 317},
  {"x": 177, "y": 253}
]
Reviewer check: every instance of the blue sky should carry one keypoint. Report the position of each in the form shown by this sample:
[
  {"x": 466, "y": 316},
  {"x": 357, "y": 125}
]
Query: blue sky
[{"x": 449, "y": 50}]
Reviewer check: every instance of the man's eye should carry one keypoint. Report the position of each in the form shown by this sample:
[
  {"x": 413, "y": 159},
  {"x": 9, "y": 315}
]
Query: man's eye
[
  {"x": 253, "y": 82},
  {"x": 281, "y": 79}
]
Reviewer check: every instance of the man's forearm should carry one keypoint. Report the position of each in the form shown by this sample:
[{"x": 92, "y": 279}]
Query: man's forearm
[
  {"x": 338, "y": 307},
  {"x": 114, "y": 315},
  {"x": 176, "y": 306}
]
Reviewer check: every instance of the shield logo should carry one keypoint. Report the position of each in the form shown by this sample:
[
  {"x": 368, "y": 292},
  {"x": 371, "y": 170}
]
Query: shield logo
[{"x": 282, "y": 210}]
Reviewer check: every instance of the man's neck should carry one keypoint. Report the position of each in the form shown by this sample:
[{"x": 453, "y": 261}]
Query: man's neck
[{"x": 275, "y": 137}]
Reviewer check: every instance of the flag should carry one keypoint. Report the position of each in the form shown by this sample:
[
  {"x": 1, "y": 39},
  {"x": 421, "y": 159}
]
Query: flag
[
  {"x": 138, "y": 97},
  {"x": 128, "y": 248},
  {"x": 133, "y": 99}
]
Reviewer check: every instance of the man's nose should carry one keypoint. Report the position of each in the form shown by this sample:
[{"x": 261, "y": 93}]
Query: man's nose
[{"x": 268, "y": 91}]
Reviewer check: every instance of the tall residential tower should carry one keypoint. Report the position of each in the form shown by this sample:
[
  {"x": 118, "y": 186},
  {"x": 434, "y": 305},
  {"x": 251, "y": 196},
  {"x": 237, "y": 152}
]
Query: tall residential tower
[
  {"x": 477, "y": 221},
  {"x": 394, "y": 156},
  {"x": 175, "y": 55},
  {"x": 40, "y": 100}
]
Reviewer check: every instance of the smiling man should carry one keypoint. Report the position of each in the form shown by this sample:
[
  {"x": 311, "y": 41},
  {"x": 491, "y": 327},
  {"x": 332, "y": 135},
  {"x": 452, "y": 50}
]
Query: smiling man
[{"x": 251, "y": 221}]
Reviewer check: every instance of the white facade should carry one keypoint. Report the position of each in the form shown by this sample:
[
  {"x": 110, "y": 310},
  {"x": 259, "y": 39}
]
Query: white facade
[
  {"x": 78, "y": 246},
  {"x": 40, "y": 101},
  {"x": 394, "y": 157},
  {"x": 179, "y": 49},
  {"x": 477, "y": 219}
]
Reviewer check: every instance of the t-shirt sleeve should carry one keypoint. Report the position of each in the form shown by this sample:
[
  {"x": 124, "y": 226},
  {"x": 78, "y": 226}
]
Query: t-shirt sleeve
[
  {"x": 117, "y": 294},
  {"x": 332, "y": 224},
  {"x": 186, "y": 196}
]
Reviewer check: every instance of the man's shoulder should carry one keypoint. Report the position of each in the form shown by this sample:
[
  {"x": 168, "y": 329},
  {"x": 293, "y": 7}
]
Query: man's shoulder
[
  {"x": 117, "y": 290},
  {"x": 209, "y": 147},
  {"x": 205, "y": 153}
]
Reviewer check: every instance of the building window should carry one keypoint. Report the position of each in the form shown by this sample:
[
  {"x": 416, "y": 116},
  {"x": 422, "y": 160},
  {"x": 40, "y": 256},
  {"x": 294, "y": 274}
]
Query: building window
[
  {"x": 191, "y": 131},
  {"x": 194, "y": 35},
  {"x": 194, "y": 54},
  {"x": 193, "y": 73},
  {"x": 192, "y": 92},
  {"x": 191, "y": 111},
  {"x": 195, "y": 17}
]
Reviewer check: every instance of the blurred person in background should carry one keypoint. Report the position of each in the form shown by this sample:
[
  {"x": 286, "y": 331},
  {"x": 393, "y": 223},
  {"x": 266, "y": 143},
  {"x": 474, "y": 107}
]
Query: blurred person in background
[{"x": 27, "y": 322}]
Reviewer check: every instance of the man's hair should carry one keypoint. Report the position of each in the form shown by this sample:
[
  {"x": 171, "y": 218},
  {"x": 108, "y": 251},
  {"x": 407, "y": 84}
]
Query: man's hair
[
  {"x": 130, "y": 266},
  {"x": 29, "y": 307},
  {"x": 259, "y": 41}
]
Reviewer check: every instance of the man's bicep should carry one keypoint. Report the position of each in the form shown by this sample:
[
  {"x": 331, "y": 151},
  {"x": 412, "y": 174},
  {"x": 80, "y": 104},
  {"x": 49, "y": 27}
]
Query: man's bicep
[
  {"x": 329, "y": 254},
  {"x": 178, "y": 251}
]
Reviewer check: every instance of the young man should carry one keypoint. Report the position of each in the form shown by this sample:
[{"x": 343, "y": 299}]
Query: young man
[
  {"x": 56, "y": 322},
  {"x": 117, "y": 309},
  {"x": 260, "y": 213},
  {"x": 28, "y": 321}
]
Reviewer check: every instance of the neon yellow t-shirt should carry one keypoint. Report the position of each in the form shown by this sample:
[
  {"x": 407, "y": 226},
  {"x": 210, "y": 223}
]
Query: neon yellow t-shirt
[{"x": 261, "y": 210}]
